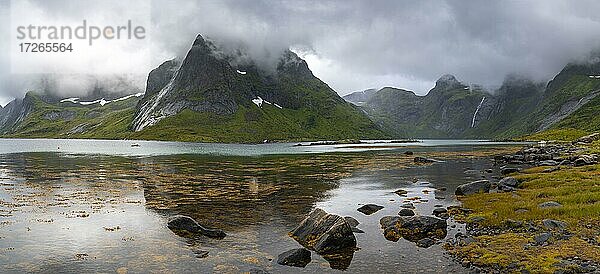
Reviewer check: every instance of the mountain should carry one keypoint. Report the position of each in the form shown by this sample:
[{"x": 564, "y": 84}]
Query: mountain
[
  {"x": 211, "y": 95},
  {"x": 447, "y": 111},
  {"x": 216, "y": 97},
  {"x": 519, "y": 107},
  {"x": 359, "y": 98}
]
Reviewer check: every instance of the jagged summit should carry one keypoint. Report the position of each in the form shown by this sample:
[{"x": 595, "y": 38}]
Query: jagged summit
[
  {"x": 447, "y": 82},
  {"x": 223, "y": 82}
]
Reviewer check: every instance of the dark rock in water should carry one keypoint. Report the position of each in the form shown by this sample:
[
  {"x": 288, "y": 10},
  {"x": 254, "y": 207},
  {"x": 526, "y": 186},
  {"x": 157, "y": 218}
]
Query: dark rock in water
[
  {"x": 509, "y": 170},
  {"x": 549, "y": 204},
  {"x": 425, "y": 243},
  {"x": 439, "y": 210},
  {"x": 474, "y": 187},
  {"x": 351, "y": 221},
  {"x": 554, "y": 224},
  {"x": 406, "y": 212},
  {"x": 408, "y": 152},
  {"x": 401, "y": 192},
  {"x": 339, "y": 261},
  {"x": 201, "y": 254},
  {"x": 413, "y": 228},
  {"x": 423, "y": 160},
  {"x": 298, "y": 257},
  {"x": 357, "y": 230},
  {"x": 324, "y": 233},
  {"x": 542, "y": 238},
  {"x": 408, "y": 205},
  {"x": 369, "y": 209},
  {"x": 489, "y": 170},
  {"x": 187, "y": 224}
]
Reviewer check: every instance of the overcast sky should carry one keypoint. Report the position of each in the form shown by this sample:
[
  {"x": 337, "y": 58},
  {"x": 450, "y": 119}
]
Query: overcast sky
[{"x": 353, "y": 45}]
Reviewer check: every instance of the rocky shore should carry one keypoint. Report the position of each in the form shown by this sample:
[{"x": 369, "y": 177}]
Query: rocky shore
[{"x": 542, "y": 216}]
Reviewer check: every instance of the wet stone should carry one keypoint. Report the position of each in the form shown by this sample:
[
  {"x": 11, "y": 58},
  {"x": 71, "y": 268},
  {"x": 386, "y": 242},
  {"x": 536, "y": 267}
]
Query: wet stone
[
  {"x": 298, "y": 257},
  {"x": 369, "y": 209}
]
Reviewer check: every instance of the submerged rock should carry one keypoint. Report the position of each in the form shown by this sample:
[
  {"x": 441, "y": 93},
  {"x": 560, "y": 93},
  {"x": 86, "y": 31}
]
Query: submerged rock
[
  {"x": 369, "y": 209},
  {"x": 474, "y": 187},
  {"x": 324, "y": 233},
  {"x": 187, "y": 224},
  {"x": 413, "y": 228},
  {"x": 298, "y": 257},
  {"x": 425, "y": 243},
  {"x": 423, "y": 160}
]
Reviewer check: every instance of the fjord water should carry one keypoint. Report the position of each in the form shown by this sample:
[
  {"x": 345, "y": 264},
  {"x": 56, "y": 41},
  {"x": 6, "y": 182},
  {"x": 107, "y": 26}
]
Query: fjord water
[{"x": 101, "y": 206}]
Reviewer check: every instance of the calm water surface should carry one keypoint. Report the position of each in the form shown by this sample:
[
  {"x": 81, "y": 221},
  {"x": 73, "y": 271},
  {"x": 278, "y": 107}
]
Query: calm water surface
[{"x": 102, "y": 206}]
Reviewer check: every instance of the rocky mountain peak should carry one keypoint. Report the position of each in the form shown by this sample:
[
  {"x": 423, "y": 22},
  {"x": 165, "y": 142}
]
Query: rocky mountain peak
[{"x": 447, "y": 81}]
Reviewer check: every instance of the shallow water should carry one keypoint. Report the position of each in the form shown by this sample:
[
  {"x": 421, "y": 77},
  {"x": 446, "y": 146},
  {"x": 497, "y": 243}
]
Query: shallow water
[{"x": 63, "y": 212}]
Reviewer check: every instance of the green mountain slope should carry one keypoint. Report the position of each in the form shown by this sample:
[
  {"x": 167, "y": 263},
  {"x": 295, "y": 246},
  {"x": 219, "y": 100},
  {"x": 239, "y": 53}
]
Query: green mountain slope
[
  {"x": 209, "y": 96},
  {"x": 69, "y": 120}
]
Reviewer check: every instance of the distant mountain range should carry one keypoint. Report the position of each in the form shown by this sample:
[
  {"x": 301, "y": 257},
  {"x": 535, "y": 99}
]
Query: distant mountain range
[
  {"x": 208, "y": 96},
  {"x": 519, "y": 107},
  {"x": 212, "y": 95}
]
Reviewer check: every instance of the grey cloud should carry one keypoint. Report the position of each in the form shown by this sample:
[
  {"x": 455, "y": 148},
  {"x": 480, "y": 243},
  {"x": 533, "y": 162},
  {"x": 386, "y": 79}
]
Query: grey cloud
[{"x": 354, "y": 44}]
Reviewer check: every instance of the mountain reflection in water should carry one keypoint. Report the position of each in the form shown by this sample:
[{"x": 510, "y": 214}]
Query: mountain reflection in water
[{"x": 89, "y": 213}]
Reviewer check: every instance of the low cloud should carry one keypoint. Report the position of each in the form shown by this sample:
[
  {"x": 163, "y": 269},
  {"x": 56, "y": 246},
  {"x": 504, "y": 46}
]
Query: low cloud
[{"x": 354, "y": 45}]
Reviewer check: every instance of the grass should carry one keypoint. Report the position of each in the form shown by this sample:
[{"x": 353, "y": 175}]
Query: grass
[
  {"x": 561, "y": 135},
  {"x": 577, "y": 189}
]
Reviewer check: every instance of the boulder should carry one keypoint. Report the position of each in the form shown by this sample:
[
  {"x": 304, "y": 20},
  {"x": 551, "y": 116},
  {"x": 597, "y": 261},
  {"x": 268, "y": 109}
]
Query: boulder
[
  {"x": 408, "y": 205},
  {"x": 369, "y": 209},
  {"x": 509, "y": 170},
  {"x": 351, "y": 221},
  {"x": 473, "y": 187},
  {"x": 413, "y": 228},
  {"x": 589, "y": 138},
  {"x": 508, "y": 181},
  {"x": 324, "y": 233},
  {"x": 554, "y": 224},
  {"x": 408, "y": 153},
  {"x": 406, "y": 212},
  {"x": 184, "y": 223},
  {"x": 542, "y": 238},
  {"x": 585, "y": 160},
  {"x": 439, "y": 211},
  {"x": 401, "y": 192},
  {"x": 298, "y": 257},
  {"x": 549, "y": 204}
]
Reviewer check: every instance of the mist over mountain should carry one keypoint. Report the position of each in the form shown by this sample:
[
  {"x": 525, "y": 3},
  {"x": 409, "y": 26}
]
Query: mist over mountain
[{"x": 385, "y": 44}]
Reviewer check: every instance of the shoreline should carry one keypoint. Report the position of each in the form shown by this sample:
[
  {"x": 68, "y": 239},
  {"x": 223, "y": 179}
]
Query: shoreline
[{"x": 548, "y": 221}]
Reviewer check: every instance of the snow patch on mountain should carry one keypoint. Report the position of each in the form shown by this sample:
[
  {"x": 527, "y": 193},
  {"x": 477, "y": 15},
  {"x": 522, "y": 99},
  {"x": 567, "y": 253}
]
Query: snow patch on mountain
[{"x": 102, "y": 102}]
